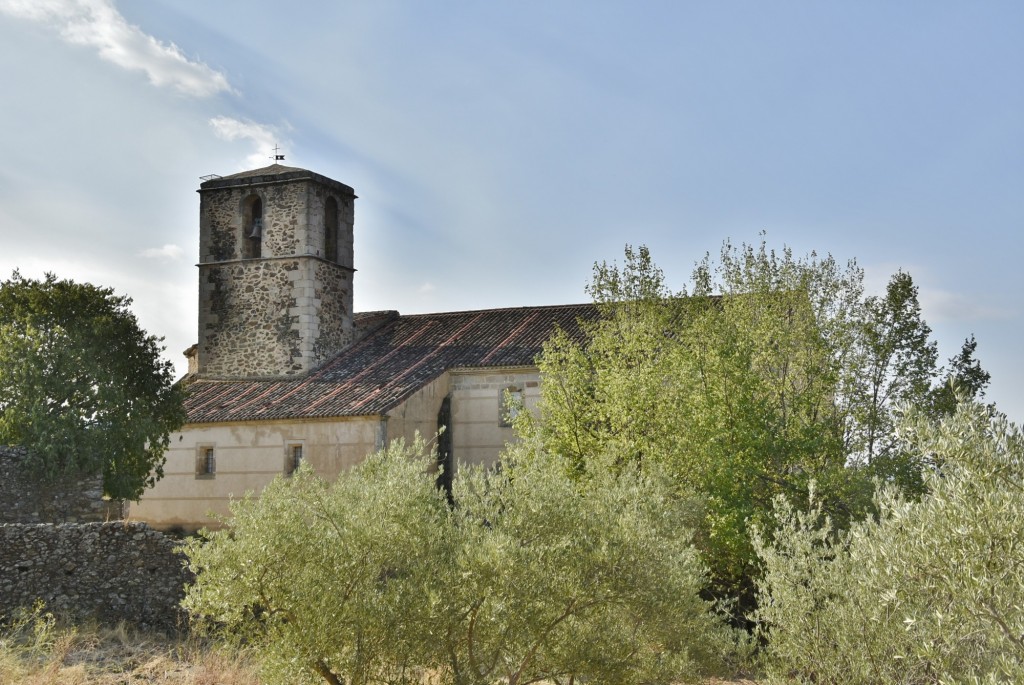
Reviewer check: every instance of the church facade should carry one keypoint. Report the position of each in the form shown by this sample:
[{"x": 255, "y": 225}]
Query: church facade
[{"x": 284, "y": 372}]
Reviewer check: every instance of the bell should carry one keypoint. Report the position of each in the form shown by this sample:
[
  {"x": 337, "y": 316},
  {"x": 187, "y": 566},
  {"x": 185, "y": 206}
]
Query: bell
[{"x": 257, "y": 228}]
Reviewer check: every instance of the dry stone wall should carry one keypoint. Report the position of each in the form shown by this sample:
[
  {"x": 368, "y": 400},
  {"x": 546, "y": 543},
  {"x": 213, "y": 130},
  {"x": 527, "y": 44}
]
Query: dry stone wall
[
  {"x": 108, "y": 572},
  {"x": 24, "y": 500}
]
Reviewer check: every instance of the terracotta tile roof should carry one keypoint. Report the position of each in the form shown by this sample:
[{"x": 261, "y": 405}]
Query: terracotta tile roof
[{"x": 396, "y": 356}]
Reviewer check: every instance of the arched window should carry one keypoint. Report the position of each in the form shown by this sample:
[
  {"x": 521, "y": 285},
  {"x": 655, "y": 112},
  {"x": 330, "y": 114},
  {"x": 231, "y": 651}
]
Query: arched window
[
  {"x": 252, "y": 228},
  {"x": 331, "y": 230}
]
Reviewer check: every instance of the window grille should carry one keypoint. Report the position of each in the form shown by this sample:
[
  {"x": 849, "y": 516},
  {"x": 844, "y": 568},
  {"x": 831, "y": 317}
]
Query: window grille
[{"x": 206, "y": 462}]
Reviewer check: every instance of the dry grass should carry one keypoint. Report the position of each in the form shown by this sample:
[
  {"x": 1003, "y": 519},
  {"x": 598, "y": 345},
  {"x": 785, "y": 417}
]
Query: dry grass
[{"x": 36, "y": 651}]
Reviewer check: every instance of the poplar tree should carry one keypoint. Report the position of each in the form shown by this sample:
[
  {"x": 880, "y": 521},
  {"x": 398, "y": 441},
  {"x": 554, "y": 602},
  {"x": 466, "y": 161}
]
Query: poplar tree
[{"x": 769, "y": 372}]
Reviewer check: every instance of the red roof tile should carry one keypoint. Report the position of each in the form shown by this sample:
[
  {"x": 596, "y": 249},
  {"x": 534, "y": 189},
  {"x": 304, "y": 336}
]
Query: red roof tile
[{"x": 397, "y": 356}]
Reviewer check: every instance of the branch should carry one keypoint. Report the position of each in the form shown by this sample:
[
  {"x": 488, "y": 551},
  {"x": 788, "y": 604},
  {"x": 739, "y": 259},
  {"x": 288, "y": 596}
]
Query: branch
[{"x": 326, "y": 673}]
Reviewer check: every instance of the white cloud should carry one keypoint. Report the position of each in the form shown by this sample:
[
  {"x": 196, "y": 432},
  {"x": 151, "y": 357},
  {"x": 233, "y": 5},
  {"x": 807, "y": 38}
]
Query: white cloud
[
  {"x": 166, "y": 252},
  {"x": 427, "y": 287},
  {"x": 937, "y": 305},
  {"x": 263, "y": 137},
  {"x": 98, "y": 24},
  {"x": 942, "y": 305}
]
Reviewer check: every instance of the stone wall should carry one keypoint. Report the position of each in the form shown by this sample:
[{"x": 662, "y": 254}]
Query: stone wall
[
  {"x": 331, "y": 293},
  {"x": 250, "y": 327},
  {"x": 288, "y": 310},
  {"x": 107, "y": 572},
  {"x": 24, "y": 500}
]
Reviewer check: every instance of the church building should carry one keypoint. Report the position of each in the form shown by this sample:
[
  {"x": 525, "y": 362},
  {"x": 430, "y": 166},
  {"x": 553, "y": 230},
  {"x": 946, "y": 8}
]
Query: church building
[{"x": 284, "y": 372}]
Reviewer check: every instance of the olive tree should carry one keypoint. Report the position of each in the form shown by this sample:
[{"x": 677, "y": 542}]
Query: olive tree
[
  {"x": 563, "y": 580},
  {"x": 82, "y": 386},
  {"x": 337, "y": 582},
  {"x": 930, "y": 591},
  {"x": 530, "y": 575}
]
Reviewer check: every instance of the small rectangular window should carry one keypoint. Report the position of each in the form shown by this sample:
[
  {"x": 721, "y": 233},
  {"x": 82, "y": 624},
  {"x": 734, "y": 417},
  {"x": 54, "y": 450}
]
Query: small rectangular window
[
  {"x": 293, "y": 459},
  {"x": 206, "y": 462}
]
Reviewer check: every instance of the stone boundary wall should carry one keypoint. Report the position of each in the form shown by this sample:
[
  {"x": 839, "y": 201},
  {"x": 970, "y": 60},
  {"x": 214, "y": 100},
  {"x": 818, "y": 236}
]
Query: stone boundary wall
[
  {"x": 108, "y": 572},
  {"x": 24, "y": 500}
]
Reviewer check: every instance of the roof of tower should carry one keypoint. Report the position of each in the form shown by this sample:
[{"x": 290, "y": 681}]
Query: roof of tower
[
  {"x": 275, "y": 173},
  {"x": 269, "y": 170}
]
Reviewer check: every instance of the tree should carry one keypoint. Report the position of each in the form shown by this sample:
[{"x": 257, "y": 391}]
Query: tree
[
  {"x": 566, "y": 580},
  {"x": 731, "y": 388},
  {"x": 892, "y": 368},
  {"x": 335, "y": 582},
  {"x": 929, "y": 591},
  {"x": 771, "y": 372},
  {"x": 82, "y": 386},
  {"x": 964, "y": 380},
  {"x": 897, "y": 368},
  {"x": 374, "y": 578}
]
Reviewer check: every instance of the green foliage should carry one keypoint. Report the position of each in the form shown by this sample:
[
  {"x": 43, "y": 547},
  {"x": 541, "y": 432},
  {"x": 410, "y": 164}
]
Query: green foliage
[
  {"x": 342, "y": 580},
  {"x": 563, "y": 580},
  {"x": 82, "y": 386},
  {"x": 375, "y": 579},
  {"x": 731, "y": 393},
  {"x": 964, "y": 379},
  {"x": 31, "y": 633},
  {"x": 894, "y": 367},
  {"x": 930, "y": 591},
  {"x": 771, "y": 372}
]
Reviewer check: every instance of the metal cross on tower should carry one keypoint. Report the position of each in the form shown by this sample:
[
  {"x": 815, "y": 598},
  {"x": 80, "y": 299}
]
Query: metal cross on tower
[{"x": 278, "y": 157}]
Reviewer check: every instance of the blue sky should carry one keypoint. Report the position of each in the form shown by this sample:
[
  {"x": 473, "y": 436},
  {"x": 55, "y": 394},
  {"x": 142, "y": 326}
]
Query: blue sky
[{"x": 500, "y": 149}]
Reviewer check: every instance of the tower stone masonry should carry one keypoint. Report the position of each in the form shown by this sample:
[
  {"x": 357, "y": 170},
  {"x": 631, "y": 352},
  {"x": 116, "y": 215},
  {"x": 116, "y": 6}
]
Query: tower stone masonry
[{"x": 275, "y": 273}]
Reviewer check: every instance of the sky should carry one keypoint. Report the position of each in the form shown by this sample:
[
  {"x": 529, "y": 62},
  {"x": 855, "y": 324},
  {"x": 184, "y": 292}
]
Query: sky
[{"x": 499, "y": 149}]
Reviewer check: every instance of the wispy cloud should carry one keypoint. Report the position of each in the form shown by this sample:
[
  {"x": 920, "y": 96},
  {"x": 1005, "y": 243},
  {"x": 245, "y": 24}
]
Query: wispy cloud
[
  {"x": 262, "y": 136},
  {"x": 168, "y": 252},
  {"x": 98, "y": 24},
  {"x": 427, "y": 287},
  {"x": 937, "y": 305},
  {"x": 942, "y": 305}
]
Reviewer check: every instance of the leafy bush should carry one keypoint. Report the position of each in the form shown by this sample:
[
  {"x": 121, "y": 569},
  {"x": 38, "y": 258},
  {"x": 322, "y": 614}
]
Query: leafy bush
[
  {"x": 532, "y": 575},
  {"x": 594, "y": 581},
  {"x": 338, "y": 581},
  {"x": 930, "y": 592}
]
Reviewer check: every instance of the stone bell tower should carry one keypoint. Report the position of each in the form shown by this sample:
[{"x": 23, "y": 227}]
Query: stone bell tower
[{"x": 275, "y": 272}]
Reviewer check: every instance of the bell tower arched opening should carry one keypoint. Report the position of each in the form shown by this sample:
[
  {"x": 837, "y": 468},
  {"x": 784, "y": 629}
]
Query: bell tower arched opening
[
  {"x": 331, "y": 230},
  {"x": 252, "y": 227}
]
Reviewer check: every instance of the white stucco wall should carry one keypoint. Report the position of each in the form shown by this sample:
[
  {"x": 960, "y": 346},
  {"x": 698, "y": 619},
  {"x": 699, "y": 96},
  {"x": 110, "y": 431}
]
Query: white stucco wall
[
  {"x": 478, "y": 432},
  {"x": 419, "y": 412},
  {"x": 251, "y": 454},
  {"x": 248, "y": 457}
]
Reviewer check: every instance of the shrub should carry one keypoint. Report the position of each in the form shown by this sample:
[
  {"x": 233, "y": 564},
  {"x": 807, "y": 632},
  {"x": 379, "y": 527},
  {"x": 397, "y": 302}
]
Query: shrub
[
  {"x": 929, "y": 592},
  {"x": 594, "y": 581},
  {"x": 332, "y": 581},
  {"x": 532, "y": 575}
]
